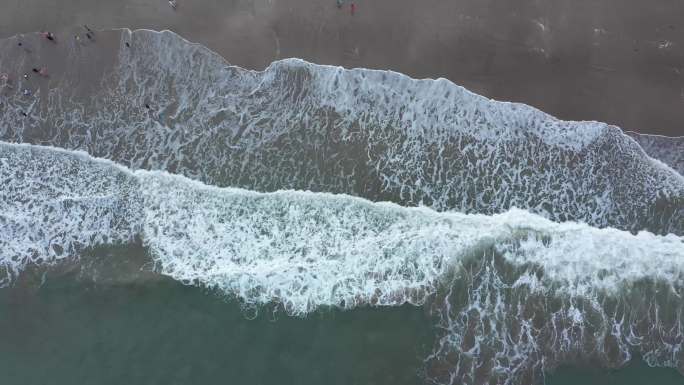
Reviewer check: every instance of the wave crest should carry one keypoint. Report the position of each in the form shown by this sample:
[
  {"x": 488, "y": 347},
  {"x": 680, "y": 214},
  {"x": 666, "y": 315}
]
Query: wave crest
[{"x": 514, "y": 294}]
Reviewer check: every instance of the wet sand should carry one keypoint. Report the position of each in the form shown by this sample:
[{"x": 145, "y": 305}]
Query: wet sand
[{"x": 618, "y": 61}]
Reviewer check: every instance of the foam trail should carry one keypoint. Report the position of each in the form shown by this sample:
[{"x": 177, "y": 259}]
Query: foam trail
[
  {"x": 515, "y": 294},
  {"x": 670, "y": 150},
  {"x": 54, "y": 205},
  {"x": 374, "y": 134},
  {"x": 320, "y": 249},
  {"x": 201, "y": 233}
]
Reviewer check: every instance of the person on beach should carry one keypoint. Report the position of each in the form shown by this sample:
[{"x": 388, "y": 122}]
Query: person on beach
[
  {"x": 42, "y": 71},
  {"x": 150, "y": 112},
  {"x": 353, "y": 8},
  {"x": 48, "y": 35},
  {"x": 5, "y": 81}
]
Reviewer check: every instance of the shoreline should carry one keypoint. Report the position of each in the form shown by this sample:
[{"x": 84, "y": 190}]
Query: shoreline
[{"x": 627, "y": 74}]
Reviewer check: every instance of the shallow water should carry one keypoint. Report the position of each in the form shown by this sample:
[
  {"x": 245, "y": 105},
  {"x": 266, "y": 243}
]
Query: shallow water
[
  {"x": 636, "y": 373},
  {"x": 110, "y": 320},
  {"x": 77, "y": 329},
  {"x": 74, "y": 331}
]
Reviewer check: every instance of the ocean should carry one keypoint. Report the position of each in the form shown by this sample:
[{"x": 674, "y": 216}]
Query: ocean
[{"x": 176, "y": 219}]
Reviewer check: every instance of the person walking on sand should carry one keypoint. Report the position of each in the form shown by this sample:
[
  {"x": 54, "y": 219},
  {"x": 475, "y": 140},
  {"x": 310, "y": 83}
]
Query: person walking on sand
[
  {"x": 5, "y": 81},
  {"x": 353, "y": 8},
  {"x": 48, "y": 35},
  {"x": 42, "y": 72}
]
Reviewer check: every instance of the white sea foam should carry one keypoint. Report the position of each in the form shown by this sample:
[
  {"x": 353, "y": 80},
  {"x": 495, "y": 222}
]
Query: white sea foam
[
  {"x": 301, "y": 248},
  {"x": 311, "y": 249},
  {"x": 374, "y": 134},
  {"x": 55, "y": 203},
  {"x": 519, "y": 295}
]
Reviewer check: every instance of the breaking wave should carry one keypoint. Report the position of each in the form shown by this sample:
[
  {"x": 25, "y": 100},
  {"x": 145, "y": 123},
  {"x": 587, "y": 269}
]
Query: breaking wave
[
  {"x": 514, "y": 294},
  {"x": 375, "y": 134}
]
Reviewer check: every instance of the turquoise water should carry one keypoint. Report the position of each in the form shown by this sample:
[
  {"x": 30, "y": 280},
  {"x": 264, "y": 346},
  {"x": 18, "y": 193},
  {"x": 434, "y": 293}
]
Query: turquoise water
[
  {"x": 72, "y": 330},
  {"x": 635, "y": 373},
  {"x": 169, "y": 334}
]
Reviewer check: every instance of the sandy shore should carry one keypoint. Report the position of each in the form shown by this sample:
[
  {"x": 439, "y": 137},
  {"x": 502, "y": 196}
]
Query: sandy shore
[{"x": 618, "y": 61}]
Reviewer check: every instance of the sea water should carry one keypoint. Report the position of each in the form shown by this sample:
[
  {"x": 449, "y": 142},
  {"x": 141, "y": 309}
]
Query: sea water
[{"x": 309, "y": 224}]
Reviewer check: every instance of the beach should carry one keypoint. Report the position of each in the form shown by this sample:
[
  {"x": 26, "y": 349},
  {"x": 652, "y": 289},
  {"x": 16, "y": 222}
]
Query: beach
[
  {"x": 307, "y": 192},
  {"x": 612, "y": 61}
]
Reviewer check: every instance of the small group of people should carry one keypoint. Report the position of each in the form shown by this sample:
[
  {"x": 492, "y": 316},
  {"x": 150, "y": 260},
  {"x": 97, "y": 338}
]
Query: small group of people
[
  {"x": 6, "y": 83},
  {"x": 6, "y": 80},
  {"x": 89, "y": 34},
  {"x": 40, "y": 71},
  {"x": 49, "y": 35},
  {"x": 352, "y": 6}
]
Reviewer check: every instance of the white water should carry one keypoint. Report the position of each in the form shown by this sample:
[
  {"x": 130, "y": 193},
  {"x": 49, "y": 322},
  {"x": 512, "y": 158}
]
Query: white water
[
  {"x": 302, "y": 249},
  {"x": 668, "y": 149},
  {"x": 374, "y": 134}
]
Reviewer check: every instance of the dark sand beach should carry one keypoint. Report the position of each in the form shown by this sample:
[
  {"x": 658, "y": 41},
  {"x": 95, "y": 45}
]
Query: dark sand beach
[{"x": 620, "y": 62}]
